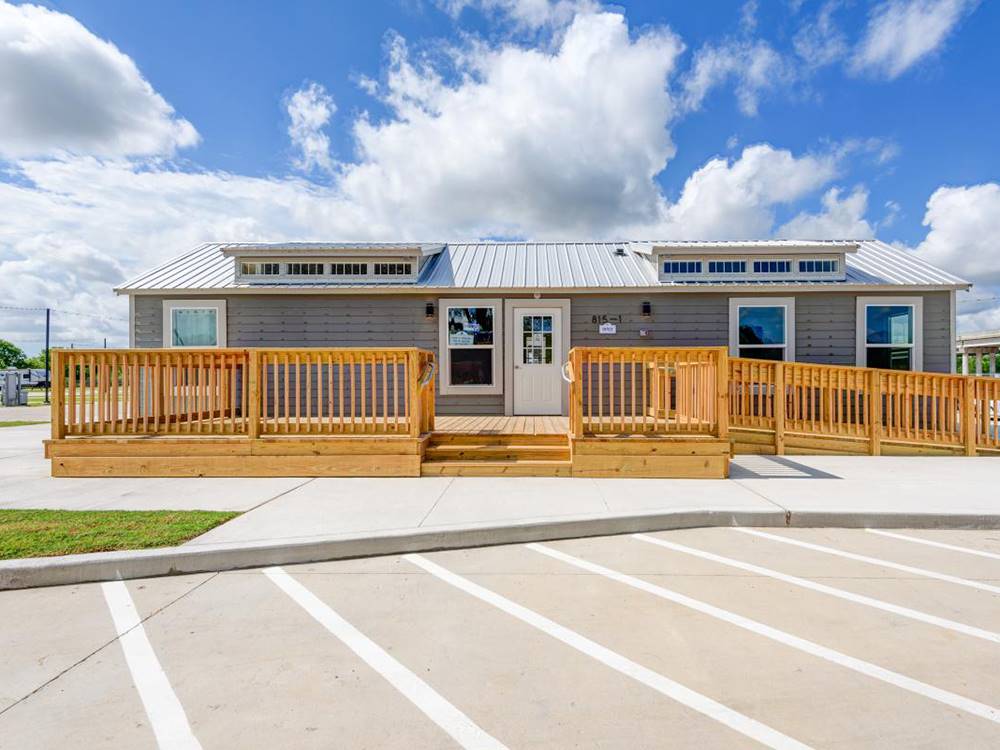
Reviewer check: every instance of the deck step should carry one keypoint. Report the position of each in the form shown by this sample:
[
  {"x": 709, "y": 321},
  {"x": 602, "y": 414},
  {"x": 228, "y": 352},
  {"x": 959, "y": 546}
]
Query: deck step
[
  {"x": 525, "y": 468},
  {"x": 492, "y": 452},
  {"x": 472, "y": 438}
]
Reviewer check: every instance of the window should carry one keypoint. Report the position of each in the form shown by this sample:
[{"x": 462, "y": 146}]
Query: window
[
  {"x": 260, "y": 269},
  {"x": 727, "y": 266},
  {"x": 890, "y": 332},
  {"x": 817, "y": 266},
  {"x": 305, "y": 269},
  {"x": 393, "y": 269},
  {"x": 349, "y": 269},
  {"x": 676, "y": 267},
  {"x": 470, "y": 345},
  {"x": 194, "y": 323},
  {"x": 772, "y": 266},
  {"x": 762, "y": 328}
]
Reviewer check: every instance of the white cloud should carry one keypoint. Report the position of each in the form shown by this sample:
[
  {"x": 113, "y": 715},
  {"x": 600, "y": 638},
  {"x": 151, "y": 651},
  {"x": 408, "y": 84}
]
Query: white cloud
[
  {"x": 736, "y": 199},
  {"x": 900, "y": 33},
  {"x": 820, "y": 41},
  {"x": 65, "y": 90},
  {"x": 754, "y": 65},
  {"x": 529, "y": 14},
  {"x": 528, "y": 141},
  {"x": 840, "y": 218},
  {"x": 557, "y": 142},
  {"x": 309, "y": 110},
  {"x": 963, "y": 226}
]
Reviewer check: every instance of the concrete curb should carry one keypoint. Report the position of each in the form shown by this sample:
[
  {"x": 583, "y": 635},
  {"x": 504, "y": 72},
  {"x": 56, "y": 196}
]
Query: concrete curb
[{"x": 109, "y": 566}]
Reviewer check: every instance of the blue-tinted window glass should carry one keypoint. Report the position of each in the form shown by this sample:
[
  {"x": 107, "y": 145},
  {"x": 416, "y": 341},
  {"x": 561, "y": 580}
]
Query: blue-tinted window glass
[
  {"x": 194, "y": 326},
  {"x": 679, "y": 267},
  {"x": 817, "y": 266},
  {"x": 762, "y": 325},
  {"x": 889, "y": 324},
  {"x": 727, "y": 266},
  {"x": 771, "y": 266}
]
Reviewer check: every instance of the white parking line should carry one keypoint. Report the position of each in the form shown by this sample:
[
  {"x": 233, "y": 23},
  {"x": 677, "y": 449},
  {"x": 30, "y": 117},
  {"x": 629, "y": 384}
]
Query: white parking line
[
  {"x": 700, "y": 703},
  {"x": 836, "y": 657},
  {"x": 459, "y": 726},
  {"x": 874, "y": 561},
  {"x": 166, "y": 715},
  {"x": 913, "y": 614},
  {"x": 942, "y": 545}
]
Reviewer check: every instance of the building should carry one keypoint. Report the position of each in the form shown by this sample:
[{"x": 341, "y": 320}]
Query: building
[
  {"x": 983, "y": 348},
  {"x": 502, "y": 316}
]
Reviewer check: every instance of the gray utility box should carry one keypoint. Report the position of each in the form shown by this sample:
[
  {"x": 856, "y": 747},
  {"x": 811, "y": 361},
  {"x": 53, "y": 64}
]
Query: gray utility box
[{"x": 12, "y": 392}]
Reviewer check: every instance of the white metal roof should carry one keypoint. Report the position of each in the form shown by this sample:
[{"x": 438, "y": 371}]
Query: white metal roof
[{"x": 537, "y": 266}]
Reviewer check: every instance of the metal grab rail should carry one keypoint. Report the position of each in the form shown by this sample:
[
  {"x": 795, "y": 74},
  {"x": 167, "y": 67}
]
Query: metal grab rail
[{"x": 569, "y": 377}]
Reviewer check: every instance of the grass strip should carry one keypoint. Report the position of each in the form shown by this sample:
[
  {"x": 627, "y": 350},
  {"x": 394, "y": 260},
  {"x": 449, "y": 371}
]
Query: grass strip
[{"x": 42, "y": 533}]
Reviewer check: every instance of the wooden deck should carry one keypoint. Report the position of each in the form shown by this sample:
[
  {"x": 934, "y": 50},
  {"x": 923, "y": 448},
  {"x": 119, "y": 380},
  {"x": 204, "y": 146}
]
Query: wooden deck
[{"x": 498, "y": 425}]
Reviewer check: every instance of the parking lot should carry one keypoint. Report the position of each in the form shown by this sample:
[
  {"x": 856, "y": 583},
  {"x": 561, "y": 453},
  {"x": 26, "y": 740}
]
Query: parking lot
[{"x": 711, "y": 637}]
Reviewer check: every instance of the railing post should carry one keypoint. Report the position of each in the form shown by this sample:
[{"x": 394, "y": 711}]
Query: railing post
[
  {"x": 413, "y": 389},
  {"x": 58, "y": 386},
  {"x": 253, "y": 393},
  {"x": 875, "y": 412},
  {"x": 722, "y": 393},
  {"x": 779, "y": 408},
  {"x": 576, "y": 395},
  {"x": 969, "y": 415}
]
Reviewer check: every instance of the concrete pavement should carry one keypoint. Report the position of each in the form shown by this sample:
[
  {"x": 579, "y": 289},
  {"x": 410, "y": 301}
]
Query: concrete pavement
[
  {"x": 298, "y": 519},
  {"x": 647, "y": 646}
]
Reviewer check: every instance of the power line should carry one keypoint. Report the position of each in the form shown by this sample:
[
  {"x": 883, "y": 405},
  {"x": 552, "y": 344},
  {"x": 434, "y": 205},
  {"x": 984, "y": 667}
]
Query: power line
[{"x": 63, "y": 312}]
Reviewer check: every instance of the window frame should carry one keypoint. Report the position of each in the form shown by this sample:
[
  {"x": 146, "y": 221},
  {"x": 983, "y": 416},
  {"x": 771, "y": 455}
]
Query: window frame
[
  {"x": 444, "y": 349},
  {"x": 788, "y": 303},
  {"x": 861, "y": 329},
  {"x": 219, "y": 305}
]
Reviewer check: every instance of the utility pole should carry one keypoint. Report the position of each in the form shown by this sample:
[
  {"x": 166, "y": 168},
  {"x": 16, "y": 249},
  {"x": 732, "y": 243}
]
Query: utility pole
[{"x": 48, "y": 314}]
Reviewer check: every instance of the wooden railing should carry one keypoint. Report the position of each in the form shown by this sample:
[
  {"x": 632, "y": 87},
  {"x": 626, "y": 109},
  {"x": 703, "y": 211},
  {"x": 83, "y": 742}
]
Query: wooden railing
[
  {"x": 249, "y": 392},
  {"x": 623, "y": 390},
  {"x": 919, "y": 408}
]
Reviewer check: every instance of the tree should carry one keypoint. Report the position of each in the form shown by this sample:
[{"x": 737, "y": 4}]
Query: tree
[
  {"x": 11, "y": 355},
  {"x": 37, "y": 362}
]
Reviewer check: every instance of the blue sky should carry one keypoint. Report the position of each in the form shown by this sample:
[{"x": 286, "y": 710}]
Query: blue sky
[{"x": 130, "y": 131}]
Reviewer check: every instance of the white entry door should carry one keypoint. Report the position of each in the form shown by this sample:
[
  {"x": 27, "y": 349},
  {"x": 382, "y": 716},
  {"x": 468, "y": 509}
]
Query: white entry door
[{"x": 538, "y": 380}]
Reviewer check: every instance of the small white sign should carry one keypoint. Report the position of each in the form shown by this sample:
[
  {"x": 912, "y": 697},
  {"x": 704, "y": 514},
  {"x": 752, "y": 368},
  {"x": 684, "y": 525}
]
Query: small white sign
[
  {"x": 607, "y": 328},
  {"x": 461, "y": 338}
]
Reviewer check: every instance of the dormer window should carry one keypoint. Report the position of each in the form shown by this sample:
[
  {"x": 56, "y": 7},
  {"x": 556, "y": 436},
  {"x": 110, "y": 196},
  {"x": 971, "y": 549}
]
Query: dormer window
[
  {"x": 772, "y": 266},
  {"x": 818, "y": 266},
  {"x": 305, "y": 269},
  {"x": 727, "y": 266},
  {"x": 349, "y": 269},
  {"x": 393, "y": 269},
  {"x": 260, "y": 269},
  {"x": 678, "y": 267}
]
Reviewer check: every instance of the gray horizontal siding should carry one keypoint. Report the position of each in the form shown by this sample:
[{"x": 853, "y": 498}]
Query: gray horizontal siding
[{"x": 824, "y": 330}]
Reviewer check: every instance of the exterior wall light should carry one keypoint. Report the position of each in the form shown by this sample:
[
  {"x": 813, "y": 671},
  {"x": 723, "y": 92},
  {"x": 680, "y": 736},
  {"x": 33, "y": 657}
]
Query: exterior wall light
[
  {"x": 429, "y": 310},
  {"x": 647, "y": 309}
]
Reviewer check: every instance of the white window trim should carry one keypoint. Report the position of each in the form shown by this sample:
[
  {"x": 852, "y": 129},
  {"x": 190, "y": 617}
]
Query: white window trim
[
  {"x": 735, "y": 303},
  {"x": 861, "y": 317},
  {"x": 219, "y": 305},
  {"x": 444, "y": 352}
]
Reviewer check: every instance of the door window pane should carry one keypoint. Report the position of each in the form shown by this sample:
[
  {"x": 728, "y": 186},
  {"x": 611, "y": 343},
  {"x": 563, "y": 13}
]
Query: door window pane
[
  {"x": 761, "y": 325},
  {"x": 194, "y": 326},
  {"x": 890, "y": 358},
  {"x": 536, "y": 341},
  {"x": 470, "y": 326},
  {"x": 471, "y": 366},
  {"x": 889, "y": 324}
]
